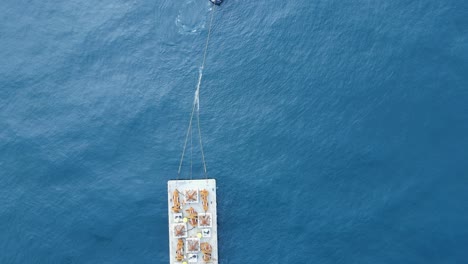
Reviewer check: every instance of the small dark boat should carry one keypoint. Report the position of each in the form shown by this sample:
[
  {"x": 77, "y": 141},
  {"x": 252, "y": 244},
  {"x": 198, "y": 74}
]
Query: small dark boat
[{"x": 216, "y": 2}]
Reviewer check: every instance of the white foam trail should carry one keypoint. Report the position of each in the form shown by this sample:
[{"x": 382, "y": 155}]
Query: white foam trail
[{"x": 196, "y": 100}]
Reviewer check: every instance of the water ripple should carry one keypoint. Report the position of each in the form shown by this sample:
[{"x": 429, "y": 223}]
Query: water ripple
[{"x": 192, "y": 17}]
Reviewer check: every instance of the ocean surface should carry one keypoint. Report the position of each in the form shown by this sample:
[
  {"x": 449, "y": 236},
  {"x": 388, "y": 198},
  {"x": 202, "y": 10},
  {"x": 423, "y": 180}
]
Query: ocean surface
[{"x": 337, "y": 130}]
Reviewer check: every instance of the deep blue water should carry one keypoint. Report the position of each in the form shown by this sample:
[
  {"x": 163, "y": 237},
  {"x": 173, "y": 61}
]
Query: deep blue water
[{"x": 337, "y": 130}]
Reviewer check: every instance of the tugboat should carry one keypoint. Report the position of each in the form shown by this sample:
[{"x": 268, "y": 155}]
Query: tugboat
[{"x": 216, "y": 2}]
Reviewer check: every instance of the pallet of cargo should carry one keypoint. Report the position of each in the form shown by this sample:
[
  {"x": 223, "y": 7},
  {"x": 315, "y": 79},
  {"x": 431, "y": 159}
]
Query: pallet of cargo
[{"x": 193, "y": 234}]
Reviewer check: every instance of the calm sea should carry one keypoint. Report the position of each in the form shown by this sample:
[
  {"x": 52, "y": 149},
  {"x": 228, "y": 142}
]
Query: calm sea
[{"x": 337, "y": 130}]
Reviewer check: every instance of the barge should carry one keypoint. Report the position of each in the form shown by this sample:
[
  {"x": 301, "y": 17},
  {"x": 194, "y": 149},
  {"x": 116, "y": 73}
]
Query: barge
[{"x": 193, "y": 233}]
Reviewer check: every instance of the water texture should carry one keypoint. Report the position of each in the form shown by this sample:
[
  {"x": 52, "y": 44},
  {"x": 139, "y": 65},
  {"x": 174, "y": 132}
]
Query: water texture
[{"x": 337, "y": 130}]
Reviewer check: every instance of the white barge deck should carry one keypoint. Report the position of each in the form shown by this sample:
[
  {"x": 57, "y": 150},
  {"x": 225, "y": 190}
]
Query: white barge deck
[{"x": 193, "y": 234}]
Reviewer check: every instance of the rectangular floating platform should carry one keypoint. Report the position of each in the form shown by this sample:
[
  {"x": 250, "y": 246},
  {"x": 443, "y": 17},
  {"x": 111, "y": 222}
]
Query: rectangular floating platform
[{"x": 193, "y": 233}]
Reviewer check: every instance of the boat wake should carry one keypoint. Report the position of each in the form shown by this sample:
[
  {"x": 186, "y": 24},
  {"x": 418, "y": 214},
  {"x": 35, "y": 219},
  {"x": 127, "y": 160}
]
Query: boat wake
[{"x": 192, "y": 16}]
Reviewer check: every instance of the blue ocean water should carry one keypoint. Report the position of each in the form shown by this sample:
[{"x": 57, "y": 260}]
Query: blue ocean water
[{"x": 337, "y": 130}]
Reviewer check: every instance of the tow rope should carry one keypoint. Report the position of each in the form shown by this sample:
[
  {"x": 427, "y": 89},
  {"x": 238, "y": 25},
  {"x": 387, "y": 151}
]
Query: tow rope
[{"x": 196, "y": 107}]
